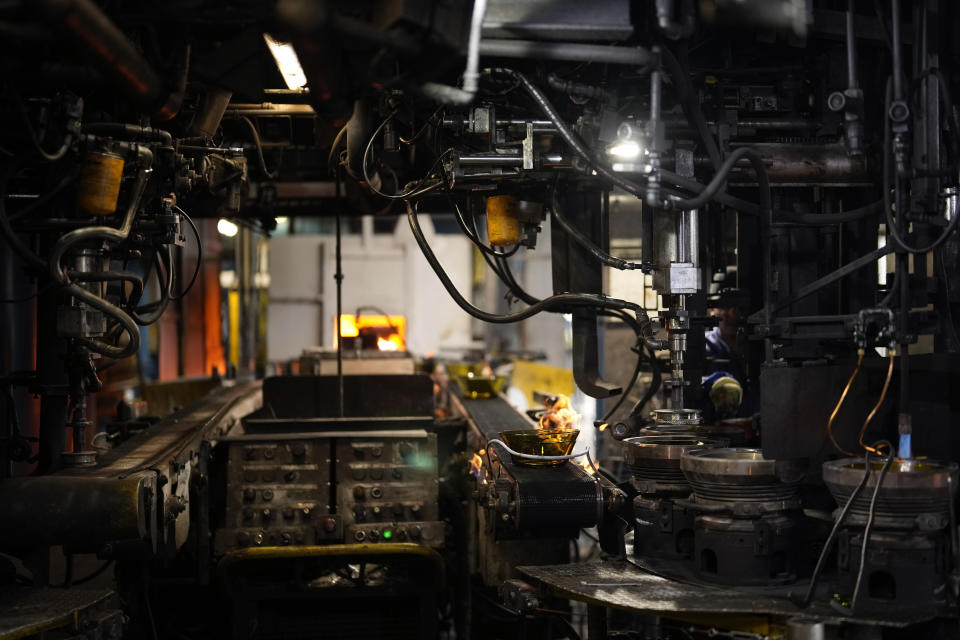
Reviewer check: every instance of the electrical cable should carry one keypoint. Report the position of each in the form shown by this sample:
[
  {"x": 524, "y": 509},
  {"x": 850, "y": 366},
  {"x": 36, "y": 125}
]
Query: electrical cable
[
  {"x": 836, "y": 409},
  {"x": 271, "y": 175},
  {"x": 633, "y": 381},
  {"x": 512, "y": 284},
  {"x": 584, "y": 241},
  {"x": 196, "y": 269},
  {"x": 157, "y": 308},
  {"x": 654, "y": 383},
  {"x": 870, "y": 517},
  {"x": 883, "y": 396},
  {"x": 563, "y": 301},
  {"x": 419, "y": 133},
  {"x": 334, "y": 146},
  {"x": 414, "y": 192},
  {"x": 837, "y": 523}
]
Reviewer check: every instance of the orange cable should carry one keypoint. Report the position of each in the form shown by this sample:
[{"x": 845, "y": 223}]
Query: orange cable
[
  {"x": 883, "y": 396},
  {"x": 836, "y": 409}
]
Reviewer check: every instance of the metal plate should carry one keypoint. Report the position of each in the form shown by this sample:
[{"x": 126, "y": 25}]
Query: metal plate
[
  {"x": 619, "y": 584},
  {"x": 30, "y": 611}
]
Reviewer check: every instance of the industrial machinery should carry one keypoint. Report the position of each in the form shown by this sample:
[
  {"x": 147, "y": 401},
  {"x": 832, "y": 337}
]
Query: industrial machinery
[{"x": 762, "y": 193}]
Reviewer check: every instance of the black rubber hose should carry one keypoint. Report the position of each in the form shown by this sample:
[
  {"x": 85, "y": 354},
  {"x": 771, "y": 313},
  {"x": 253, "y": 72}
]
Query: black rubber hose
[
  {"x": 690, "y": 105},
  {"x": 129, "y": 131},
  {"x": 579, "y": 89},
  {"x": 572, "y": 140},
  {"x": 654, "y": 383},
  {"x": 720, "y": 177},
  {"x": 507, "y": 277},
  {"x": 561, "y": 302},
  {"x": 156, "y": 309},
  {"x": 357, "y": 135},
  {"x": 811, "y": 588},
  {"x": 870, "y": 517},
  {"x": 585, "y": 242}
]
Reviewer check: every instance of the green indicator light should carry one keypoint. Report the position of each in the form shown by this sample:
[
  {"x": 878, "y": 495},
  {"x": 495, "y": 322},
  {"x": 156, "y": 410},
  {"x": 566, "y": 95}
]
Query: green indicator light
[{"x": 387, "y": 534}]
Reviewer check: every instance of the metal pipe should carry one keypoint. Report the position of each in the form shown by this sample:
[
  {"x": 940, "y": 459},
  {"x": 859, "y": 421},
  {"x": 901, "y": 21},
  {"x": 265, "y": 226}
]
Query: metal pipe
[
  {"x": 800, "y": 162},
  {"x": 269, "y": 109},
  {"x": 490, "y": 160},
  {"x": 110, "y": 49},
  {"x": 851, "y": 49},
  {"x": 471, "y": 75},
  {"x": 897, "y": 57},
  {"x": 762, "y": 124},
  {"x": 565, "y": 51}
]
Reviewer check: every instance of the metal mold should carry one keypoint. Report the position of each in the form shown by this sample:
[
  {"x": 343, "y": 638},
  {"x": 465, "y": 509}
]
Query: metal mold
[
  {"x": 657, "y": 457},
  {"x": 737, "y": 475},
  {"x": 919, "y": 491}
]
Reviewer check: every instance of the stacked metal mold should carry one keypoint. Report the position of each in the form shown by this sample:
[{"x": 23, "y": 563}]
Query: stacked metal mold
[
  {"x": 673, "y": 422},
  {"x": 663, "y": 527},
  {"x": 908, "y": 555},
  {"x": 690, "y": 422},
  {"x": 748, "y": 515}
]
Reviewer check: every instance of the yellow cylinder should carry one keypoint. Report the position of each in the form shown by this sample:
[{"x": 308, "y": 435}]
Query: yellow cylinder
[
  {"x": 503, "y": 227},
  {"x": 99, "y": 187}
]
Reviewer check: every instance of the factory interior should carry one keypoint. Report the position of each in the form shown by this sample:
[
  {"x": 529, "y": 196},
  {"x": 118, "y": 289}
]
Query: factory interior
[{"x": 479, "y": 319}]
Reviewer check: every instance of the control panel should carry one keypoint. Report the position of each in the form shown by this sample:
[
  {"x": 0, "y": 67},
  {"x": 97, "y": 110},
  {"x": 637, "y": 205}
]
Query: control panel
[
  {"x": 278, "y": 493},
  {"x": 331, "y": 487},
  {"x": 387, "y": 488}
]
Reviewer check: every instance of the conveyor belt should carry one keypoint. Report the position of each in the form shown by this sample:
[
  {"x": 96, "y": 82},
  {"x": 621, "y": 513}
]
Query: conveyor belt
[{"x": 493, "y": 415}]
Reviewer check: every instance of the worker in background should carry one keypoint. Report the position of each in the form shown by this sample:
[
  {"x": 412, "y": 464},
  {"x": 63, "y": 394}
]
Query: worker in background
[{"x": 730, "y": 392}]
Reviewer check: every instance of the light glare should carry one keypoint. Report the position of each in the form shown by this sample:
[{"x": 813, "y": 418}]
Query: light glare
[
  {"x": 227, "y": 228},
  {"x": 626, "y": 150}
]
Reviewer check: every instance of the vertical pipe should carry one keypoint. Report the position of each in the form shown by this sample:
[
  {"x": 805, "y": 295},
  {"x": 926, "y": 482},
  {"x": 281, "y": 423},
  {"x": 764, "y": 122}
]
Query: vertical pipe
[
  {"x": 897, "y": 59},
  {"x": 851, "y": 49},
  {"x": 338, "y": 276}
]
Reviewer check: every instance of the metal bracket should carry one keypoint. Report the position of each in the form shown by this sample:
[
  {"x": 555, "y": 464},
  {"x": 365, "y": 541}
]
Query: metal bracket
[{"x": 586, "y": 361}]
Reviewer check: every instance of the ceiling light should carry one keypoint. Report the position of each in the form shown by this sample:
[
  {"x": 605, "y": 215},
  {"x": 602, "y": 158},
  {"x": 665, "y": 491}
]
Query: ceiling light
[
  {"x": 227, "y": 228},
  {"x": 287, "y": 62},
  {"x": 281, "y": 220}
]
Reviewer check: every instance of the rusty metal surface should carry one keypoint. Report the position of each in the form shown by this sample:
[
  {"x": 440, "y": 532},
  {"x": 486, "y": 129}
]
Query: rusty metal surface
[
  {"x": 621, "y": 585},
  {"x": 29, "y": 612}
]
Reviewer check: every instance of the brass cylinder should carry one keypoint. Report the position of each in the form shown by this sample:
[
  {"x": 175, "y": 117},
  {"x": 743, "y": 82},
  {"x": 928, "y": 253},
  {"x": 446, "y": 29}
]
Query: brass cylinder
[
  {"x": 99, "y": 187},
  {"x": 503, "y": 225}
]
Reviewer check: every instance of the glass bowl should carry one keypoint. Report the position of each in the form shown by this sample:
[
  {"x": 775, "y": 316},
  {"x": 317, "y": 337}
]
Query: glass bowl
[{"x": 540, "y": 442}]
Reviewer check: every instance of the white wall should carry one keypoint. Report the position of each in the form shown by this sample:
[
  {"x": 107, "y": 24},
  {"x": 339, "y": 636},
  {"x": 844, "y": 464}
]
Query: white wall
[{"x": 384, "y": 270}]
